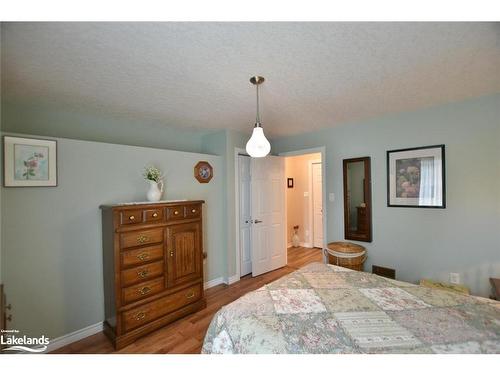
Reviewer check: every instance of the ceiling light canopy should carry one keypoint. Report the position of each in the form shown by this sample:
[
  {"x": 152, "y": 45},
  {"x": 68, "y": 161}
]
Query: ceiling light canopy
[{"x": 258, "y": 146}]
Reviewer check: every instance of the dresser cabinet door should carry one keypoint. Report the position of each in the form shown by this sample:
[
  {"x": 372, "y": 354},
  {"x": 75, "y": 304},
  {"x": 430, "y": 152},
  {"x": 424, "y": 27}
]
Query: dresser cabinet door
[{"x": 183, "y": 253}]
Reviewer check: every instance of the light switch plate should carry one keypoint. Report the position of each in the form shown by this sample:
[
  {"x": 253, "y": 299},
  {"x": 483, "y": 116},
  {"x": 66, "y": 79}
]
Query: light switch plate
[
  {"x": 454, "y": 278},
  {"x": 331, "y": 197}
]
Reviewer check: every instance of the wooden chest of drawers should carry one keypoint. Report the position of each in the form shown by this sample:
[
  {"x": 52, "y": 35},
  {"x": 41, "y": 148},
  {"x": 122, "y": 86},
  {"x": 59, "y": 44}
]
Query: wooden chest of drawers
[{"x": 153, "y": 266}]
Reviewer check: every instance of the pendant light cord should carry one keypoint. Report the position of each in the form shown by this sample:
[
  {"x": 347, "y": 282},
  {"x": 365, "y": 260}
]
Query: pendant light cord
[{"x": 257, "y": 119}]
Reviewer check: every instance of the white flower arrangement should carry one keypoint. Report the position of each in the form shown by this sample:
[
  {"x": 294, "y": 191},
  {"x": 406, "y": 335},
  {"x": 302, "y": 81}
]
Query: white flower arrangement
[{"x": 152, "y": 173}]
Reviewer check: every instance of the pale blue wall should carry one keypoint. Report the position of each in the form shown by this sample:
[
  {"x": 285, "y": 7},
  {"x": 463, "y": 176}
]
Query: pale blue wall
[
  {"x": 57, "y": 260},
  {"x": 96, "y": 124},
  {"x": 51, "y": 241},
  {"x": 224, "y": 143},
  {"x": 464, "y": 237}
]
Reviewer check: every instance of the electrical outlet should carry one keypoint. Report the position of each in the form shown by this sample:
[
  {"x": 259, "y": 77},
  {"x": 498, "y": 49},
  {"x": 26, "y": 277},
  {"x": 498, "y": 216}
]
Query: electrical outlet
[
  {"x": 454, "y": 278},
  {"x": 306, "y": 193},
  {"x": 331, "y": 197}
]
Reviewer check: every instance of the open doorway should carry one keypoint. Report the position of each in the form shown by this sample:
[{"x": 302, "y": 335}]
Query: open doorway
[
  {"x": 304, "y": 199},
  {"x": 263, "y": 228},
  {"x": 261, "y": 214}
]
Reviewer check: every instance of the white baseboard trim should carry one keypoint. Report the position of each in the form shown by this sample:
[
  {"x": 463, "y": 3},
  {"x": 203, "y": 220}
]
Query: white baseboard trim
[
  {"x": 69, "y": 338},
  {"x": 301, "y": 244},
  {"x": 74, "y": 336},
  {"x": 232, "y": 279},
  {"x": 214, "y": 282},
  {"x": 289, "y": 245}
]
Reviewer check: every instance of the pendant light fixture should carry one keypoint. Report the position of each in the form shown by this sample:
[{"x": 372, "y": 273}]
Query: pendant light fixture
[{"x": 258, "y": 146}]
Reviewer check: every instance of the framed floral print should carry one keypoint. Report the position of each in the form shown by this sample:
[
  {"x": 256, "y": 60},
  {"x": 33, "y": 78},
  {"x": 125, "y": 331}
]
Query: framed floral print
[
  {"x": 416, "y": 177},
  {"x": 29, "y": 162}
]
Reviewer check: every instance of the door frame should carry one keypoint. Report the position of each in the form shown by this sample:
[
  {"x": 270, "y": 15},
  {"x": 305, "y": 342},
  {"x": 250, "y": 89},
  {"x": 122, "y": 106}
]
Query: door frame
[
  {"x": 322, "y": 151},
  {"x": 310, "y": 198},
  {"x": 237, "y": 151},
  {"x": 237, "y": 206}
]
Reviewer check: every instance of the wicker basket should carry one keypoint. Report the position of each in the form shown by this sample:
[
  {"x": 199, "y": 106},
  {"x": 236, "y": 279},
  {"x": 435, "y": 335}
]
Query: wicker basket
[{"x": 346, "y": 254}]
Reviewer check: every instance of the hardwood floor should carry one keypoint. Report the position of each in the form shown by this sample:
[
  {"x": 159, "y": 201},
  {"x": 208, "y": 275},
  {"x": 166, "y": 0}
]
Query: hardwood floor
[{"x": 186, "y": 335}]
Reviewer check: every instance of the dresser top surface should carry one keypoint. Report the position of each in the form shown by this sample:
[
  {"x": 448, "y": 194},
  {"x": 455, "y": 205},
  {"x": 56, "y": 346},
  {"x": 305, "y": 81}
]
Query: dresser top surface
[{"x": 172, "y": 202}]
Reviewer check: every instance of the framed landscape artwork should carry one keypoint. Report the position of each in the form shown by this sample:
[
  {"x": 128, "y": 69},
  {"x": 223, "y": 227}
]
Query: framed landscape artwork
[
  {"x": 416, "y": 177},
  {"x": 29, "y": 162}
]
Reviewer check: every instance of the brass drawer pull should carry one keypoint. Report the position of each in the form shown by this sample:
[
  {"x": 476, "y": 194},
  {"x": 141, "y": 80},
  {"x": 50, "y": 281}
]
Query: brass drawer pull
[
  {"x": 155, "y": 214},
  {"x": 131, "y": 217},
  {"x": 140, "y": 315},
  {"x": 176, "y": 212},
  {"x": 144, "y": 290},
  {"x": 193, "y": 210},
  {"x": 143, "y": 256},
  {"x": 190, "y": 295},
  {"x": 142, "y": 274},
  {"x": 142, "y": 238}
]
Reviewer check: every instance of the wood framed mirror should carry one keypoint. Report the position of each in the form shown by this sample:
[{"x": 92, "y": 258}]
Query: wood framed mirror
[{"x": 357, "y": 199}]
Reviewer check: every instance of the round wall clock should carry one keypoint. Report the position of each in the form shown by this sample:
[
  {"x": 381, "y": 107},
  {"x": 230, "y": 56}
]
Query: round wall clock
[{"x": 203, "y": 172}]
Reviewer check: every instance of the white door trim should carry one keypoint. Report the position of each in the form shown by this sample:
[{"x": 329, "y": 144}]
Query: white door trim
[
  {"x": 237, "y": 210},
  {"x": 310, "y": 202},
  {"x": 244, "y": 203},
  {"x": 322, "y": 150}
]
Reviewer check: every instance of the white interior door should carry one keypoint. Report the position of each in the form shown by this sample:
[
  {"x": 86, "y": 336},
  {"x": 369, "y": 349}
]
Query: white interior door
[
  {"x": 317, "y": 203},
  {"x": 245, "y": 215},
  {"x": 268, "y": 214}
]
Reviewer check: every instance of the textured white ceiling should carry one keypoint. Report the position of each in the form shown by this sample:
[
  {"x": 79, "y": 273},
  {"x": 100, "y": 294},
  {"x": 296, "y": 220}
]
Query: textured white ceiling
[{"x": 196, "y": 74}]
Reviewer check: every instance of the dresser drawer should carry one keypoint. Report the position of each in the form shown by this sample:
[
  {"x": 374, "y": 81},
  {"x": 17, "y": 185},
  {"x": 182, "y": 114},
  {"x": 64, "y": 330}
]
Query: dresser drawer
[
  {"x": 136, "y": 257},
  {"x": 154, "y": 310},
  {"x": 142, "y": 237},
  {"x": 175, "y": 213},
  {"x": 142, "y": 290},
  {"x": 153, "y": 215},
  {"x": 130, "y": 217},
  {"x": 142, "y": 273},
  {"x": 192, "y": 211}
]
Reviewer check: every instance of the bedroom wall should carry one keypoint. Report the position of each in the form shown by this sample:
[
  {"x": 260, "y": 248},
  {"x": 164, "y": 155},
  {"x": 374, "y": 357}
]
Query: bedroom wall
[
  {"x": 224, "y": 143},
  {"x": 418, "y": 242},
  {"x": 52, "y": 236},
  {"x": 64, "y": 120},
  {"x": 297, "y": 206}
]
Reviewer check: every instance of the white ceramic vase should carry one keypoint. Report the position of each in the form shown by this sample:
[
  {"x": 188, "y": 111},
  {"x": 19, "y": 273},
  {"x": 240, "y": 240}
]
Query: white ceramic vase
[
  {"x": 155, "y": 191},
  {"x": 295, "y": 238}
]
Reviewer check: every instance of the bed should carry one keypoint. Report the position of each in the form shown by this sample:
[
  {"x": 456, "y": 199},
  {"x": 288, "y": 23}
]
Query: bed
[{"x": 323, "y": 308}]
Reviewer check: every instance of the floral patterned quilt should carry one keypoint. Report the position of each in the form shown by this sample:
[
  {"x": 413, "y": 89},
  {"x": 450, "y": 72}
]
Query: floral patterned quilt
[{"x": 328, "y": 309}]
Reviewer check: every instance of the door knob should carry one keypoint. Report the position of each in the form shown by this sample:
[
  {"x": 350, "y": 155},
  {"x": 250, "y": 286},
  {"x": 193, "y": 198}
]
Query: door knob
[{"x": 257, "y": 221}]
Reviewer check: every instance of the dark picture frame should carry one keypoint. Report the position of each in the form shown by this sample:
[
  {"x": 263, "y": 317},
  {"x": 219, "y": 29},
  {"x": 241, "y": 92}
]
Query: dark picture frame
[
  {"x": 416, "y": 177},
  {"x": 289, "y": 183},
  {"x": 364, "y": 232}
]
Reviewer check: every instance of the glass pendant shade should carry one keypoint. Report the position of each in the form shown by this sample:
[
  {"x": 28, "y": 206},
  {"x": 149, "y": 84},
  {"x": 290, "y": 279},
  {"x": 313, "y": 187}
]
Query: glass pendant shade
[{"x": 258, "y": 146}]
